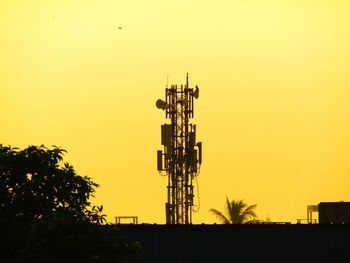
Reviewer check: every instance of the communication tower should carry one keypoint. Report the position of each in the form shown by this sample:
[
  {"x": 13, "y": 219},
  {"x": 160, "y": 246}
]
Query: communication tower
[{"x": 182, "y": 155}]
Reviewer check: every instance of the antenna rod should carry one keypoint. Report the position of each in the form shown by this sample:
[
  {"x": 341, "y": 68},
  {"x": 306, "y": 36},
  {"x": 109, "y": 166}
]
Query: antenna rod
[{"x": 187, "y": 80}]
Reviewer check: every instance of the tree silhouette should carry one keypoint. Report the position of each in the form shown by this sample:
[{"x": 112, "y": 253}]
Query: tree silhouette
[
  {"x": 45, "y": 213},
  {"x": 35, "y": 183},
  {"x": 237, "y": 212}
]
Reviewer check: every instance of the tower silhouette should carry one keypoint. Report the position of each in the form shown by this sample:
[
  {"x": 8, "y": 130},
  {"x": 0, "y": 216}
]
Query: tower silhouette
[{"x": 182, "y": 155}]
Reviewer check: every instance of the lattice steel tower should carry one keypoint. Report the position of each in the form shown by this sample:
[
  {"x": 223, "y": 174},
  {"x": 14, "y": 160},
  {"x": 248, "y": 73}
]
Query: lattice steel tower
[{"x": 182, "y": 155}]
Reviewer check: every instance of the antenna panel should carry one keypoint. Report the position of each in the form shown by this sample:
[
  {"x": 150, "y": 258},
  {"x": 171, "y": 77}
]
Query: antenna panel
[
  {"x": 166, "y": 134},
  {"x": 159, "y": 160}
]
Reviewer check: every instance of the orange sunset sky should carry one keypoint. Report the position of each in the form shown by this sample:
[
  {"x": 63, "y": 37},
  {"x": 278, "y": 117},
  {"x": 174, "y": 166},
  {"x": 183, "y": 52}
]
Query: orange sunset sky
[{"x": 273, "y": 112}]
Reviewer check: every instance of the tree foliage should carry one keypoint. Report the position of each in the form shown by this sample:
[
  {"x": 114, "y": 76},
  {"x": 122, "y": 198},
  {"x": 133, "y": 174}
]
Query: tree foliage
[
  {"x": 237, "y": 212},
  {"x": 36, "y": 183},
  {"x": 46, "y": 215}
]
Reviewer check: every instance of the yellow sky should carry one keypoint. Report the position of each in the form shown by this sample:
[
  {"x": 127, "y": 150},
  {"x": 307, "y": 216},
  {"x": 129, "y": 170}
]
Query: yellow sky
[{"x": 273, "y": 112}]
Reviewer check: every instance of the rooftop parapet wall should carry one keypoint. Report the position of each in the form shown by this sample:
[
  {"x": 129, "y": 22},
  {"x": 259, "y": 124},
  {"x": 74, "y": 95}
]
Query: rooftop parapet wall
[{"x": 242, "y": 243}]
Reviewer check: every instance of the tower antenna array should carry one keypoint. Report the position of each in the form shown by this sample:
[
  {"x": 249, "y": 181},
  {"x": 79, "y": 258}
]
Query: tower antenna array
[{"x": 182, "y": 155}]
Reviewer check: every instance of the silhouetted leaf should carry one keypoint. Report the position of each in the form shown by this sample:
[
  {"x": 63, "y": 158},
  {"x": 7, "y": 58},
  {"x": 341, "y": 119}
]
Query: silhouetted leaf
[{"x": 237, "y": 212}]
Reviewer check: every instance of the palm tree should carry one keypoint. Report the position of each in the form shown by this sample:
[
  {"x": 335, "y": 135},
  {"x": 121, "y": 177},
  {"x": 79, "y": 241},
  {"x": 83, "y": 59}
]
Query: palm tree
[{"x": 237, "y": 212}]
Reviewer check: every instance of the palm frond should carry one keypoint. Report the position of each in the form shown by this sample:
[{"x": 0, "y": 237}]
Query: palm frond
[
  {"x": 220, "y": 216},
  {"x": 250, "y": 210},
  {"x": 236, "y": 212},
  {"x": 249, "y": 213},
  {"x": 229, "y": 211}
]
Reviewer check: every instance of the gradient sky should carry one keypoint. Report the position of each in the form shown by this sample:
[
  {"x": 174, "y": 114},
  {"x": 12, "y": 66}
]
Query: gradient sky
[{"x": 273, "y": 112}]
